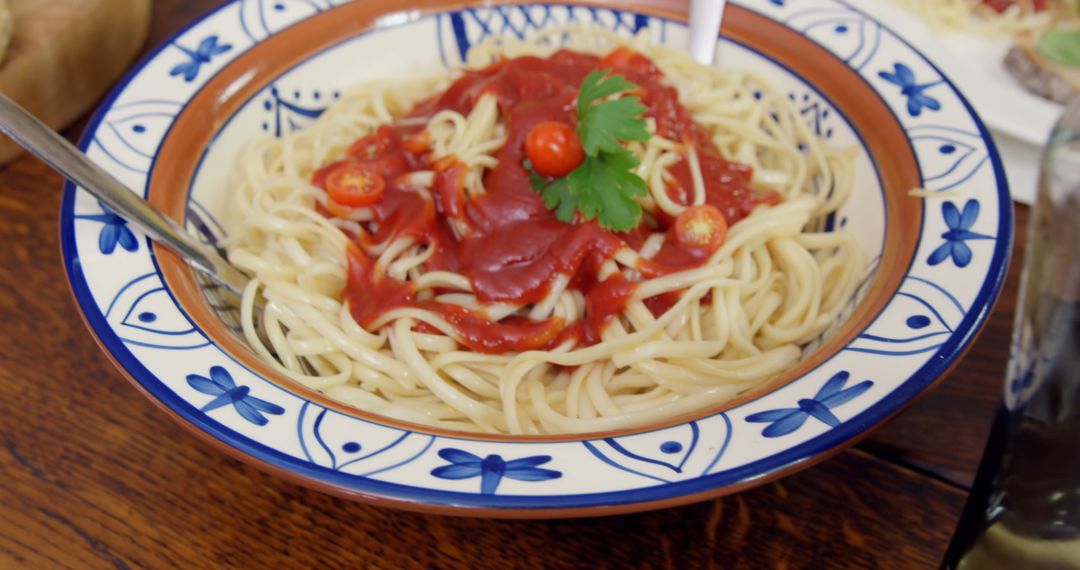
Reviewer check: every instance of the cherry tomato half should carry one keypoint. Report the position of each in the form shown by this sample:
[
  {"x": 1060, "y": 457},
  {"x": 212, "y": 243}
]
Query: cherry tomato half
[
  {"x": 355, "y": 185},
  {"x": 619, "y": 57},
  {"x": 701, "y": 227},
  {"x": 554, "y": 148},
  {"x": 624, "y": 58}
]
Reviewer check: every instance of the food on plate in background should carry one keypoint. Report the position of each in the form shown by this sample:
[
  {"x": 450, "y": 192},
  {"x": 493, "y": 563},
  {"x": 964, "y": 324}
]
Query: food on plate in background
[
  {"x": 1048, "y": 65},
  {"x": 993, "y": 17},
  {"x": 59, "y": 57},
  {"x": 581, "y": 239},
  {"x": 1045, "y": 36}
]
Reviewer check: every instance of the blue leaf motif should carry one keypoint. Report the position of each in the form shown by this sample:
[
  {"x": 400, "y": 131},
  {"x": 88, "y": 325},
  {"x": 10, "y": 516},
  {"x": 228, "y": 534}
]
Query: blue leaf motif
[
  {"x": 206, "y": 385},
  {"x": 971, "y": 213},
  {"x": 819, "y": 411},
  {"x": 115, "y": 231},
  {"x": 786, "y": 421},
  {"x": 959, "y": 232},
  {"x": 492, "y": 469},
  {"x": 458, "y": 457},
  {"x": 526, "y": 469},
  {"x": 940, "y": 254},
  {"x": 463, "y": 465},
  {"x": 457, "y": 471},
  {"x": 961, "y": 254},
  {"x": 208, "y": 49},
  {"x": 221, "y": 385},
  {"x": 951, "y": 215},
  {"x": 832, "y": 394},
  {"x": 774, "y": 415},
  {"x": 250, "y": 408},
  {"x": 903, "y": 77},
  {"x": 834, "y": 385},
  {"x": 528, "y": 462},
  {"x": 221, "y": 378}
]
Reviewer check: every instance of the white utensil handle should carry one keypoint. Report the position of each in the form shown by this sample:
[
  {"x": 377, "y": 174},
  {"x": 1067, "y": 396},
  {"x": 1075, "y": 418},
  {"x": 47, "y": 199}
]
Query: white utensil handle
[{"x": 705, "y": 18}]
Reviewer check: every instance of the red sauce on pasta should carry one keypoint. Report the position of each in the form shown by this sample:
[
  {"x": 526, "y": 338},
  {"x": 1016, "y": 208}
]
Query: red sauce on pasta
[{"x": 514, "y": 249}]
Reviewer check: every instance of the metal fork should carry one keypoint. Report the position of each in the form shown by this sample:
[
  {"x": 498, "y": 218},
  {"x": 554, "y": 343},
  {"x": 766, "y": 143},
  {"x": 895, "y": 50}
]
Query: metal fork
[{"x": 65, "y": 158}]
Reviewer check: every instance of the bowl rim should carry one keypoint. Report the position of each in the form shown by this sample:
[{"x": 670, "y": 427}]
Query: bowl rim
[
  {"x": 409, "y": 497},
  {"x": 170, "y": 189}
]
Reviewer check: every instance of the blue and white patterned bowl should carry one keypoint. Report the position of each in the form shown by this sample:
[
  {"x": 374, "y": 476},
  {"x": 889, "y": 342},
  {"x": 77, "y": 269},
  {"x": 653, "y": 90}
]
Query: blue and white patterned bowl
[{"x": 196, "y": 100}]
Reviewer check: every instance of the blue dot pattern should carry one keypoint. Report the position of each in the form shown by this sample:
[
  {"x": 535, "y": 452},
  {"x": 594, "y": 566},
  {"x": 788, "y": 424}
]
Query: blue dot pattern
[
  {"x": 918, "y": 321},
  {"x": 671, "y": 447}
]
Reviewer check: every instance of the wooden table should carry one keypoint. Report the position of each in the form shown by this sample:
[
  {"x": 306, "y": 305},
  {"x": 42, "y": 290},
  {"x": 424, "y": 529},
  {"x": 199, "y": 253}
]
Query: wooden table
[{"x": 92, "y": 475}]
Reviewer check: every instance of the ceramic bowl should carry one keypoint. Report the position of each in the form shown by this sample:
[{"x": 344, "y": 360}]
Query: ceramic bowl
[{"x": 173, "y": 129}]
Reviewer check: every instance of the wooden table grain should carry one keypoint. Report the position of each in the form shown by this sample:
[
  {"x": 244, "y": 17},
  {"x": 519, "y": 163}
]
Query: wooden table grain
[{"x": 92, "y": 475}]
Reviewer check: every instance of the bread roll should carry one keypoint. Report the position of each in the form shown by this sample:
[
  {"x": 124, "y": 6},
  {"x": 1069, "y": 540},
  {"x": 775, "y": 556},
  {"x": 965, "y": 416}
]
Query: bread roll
[{"x": 64, "y": 55}]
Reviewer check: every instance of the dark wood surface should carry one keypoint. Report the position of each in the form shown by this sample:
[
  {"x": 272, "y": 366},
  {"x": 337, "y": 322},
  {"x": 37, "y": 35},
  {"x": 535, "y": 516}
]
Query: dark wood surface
[{"x": 92, "y": 475}]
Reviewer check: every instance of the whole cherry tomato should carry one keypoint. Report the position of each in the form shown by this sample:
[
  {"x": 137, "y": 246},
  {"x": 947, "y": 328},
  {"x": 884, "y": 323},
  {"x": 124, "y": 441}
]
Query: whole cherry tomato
[{"x": 553, "y": 148}]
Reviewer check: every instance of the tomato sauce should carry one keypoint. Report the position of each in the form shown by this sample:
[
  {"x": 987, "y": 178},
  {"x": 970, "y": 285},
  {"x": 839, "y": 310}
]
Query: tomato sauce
[{"x": 514, "y": 248}]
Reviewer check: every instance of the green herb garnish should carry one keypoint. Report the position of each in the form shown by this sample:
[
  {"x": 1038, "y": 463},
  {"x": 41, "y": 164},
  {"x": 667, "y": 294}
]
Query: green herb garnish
[{"x": 604, "y": 186}]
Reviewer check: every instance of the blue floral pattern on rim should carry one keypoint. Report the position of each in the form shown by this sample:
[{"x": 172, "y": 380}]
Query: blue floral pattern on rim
[
  {"x": 902, "y": 76},
  {"x": 221, "y": 385},
  {"x": 831, "y": 395},
  {"x": 208, "y": 49},
  {"x": 114, "y": 232},
  {"x": 492, "y": 469},
  {"x": 959, "y": 224}
]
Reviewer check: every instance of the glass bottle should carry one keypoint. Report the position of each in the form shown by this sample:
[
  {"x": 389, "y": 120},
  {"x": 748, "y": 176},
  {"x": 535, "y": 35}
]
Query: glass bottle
[{"x": 1024, "y": 509}]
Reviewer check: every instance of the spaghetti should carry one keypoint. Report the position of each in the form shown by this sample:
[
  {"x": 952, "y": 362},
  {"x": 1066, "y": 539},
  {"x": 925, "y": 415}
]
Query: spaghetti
[{"x": 458, "y": 300}]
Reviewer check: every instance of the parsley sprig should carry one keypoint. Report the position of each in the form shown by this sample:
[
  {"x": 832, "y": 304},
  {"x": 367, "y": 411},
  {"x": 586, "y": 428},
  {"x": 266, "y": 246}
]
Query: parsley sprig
[{"x": 604, "y": 186}]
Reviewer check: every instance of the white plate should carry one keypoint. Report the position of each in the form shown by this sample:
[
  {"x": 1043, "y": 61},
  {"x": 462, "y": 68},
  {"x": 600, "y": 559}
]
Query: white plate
[{"x": 1020, "y": 120}]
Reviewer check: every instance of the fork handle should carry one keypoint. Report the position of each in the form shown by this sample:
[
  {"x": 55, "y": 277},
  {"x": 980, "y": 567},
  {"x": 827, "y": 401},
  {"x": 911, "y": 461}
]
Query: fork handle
[{"x": 73, "y": 164}]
